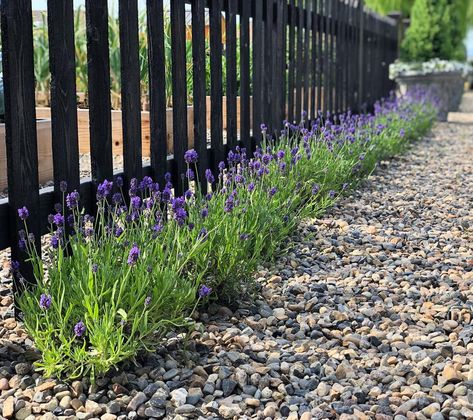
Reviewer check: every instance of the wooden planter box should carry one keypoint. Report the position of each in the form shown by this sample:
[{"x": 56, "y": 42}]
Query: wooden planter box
[
  {"x": 45, "y": 156},
  {"x": 117, "y": 132}
]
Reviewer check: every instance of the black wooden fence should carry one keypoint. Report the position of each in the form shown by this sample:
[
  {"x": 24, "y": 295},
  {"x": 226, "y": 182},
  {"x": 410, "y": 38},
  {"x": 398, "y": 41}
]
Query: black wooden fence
[{"x": 295, "y": 56}]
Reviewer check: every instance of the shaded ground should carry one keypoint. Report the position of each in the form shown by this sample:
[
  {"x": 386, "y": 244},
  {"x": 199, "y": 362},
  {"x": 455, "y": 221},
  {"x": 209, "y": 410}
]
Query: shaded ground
[{"x": 367, "y": 316}]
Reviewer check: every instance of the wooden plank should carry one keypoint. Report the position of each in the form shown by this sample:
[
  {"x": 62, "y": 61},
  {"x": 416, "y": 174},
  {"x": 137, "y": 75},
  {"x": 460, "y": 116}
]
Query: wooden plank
[
  {"x": 98, "y": 65},
  {"x": 306, "y": 73},
  {"x": 245, "y": 107},
  {"x": 361, "y": 55},
  {"x": 326, "y": 56},
  {"x": 279, "y": 84},
  {"x": 216, "y": 90},
  {"x": 268, "y": 64},
  {"x": 313, "y": 63},
  {"x": 157, "y": 89},
  {"x": 292, "y": 61},
  {"x": 257, "y": 70},
  {"x": 130, "y": 88},
  {"x": 199, "y": 82},
  {"x": 320, "y": 67},
  {"x": 20, "y": 127},
  {"x": 299, "y": 61},
  {"x": 65, "y": 144},
  {"x": 231, "y": 74},
  {"x": 179, "y": 88}
]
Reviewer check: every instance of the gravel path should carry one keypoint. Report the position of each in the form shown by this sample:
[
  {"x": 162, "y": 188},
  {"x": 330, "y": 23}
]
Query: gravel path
[{"x": 367, "y": 316}]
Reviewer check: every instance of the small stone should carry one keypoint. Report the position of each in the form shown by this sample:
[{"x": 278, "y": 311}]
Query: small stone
[
  {"x": 136, "y": 401},
  {"x": 108, "y": 416},
  {"x": 4, "y": 386},
  {"x": 154, "y": 412},
  {"x": 451, "y": 374},
  {"x": 65, "y": 402},
  {"x": 228, "y": 386},
  {"x": 185, "y": 409},
  {"x": 93, "y": 408},
  {"x": 170, "y": 374},
  {"x": 179, "y": 397},
  {"x": 229, "y": 411},
  {"x": 431, "y": 409},
  {"x": 22, "y": 368},
  {"x": 8, "y": 407},
  {"x": 77, "y": 388},
  {"x": 23, "y": 413}
]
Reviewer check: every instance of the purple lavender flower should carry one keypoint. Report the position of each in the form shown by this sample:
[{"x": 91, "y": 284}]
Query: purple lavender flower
[
  {"x": 146, "y": 183},
  {"x": 280, "y": 154},
  {"x": 263, "y": 128},
  {"x": 244, "y": 236},
  {"x": 190, "y": 174},
  {"x": 239, "y": 179},
  {"x": 50, "y": 219},
  {"x": 118, "y": 231},
  {"x": 282, "y": 166},
  {"x": 45, "y": 301},
  {"x": 166, "y": 195},
  {"x": 15, "y": 265},
  {"x": 95, "y": 268},
  {"x": 272, "y": 191},
  {"x": 79, "y": 329},
  {"x": 191, "y": 156},
  {"x": 167, "y": 176},
  {"x": 266, "y": 158},
  {"x": 208, "y": 196},
  {"x": 204, "y": 291},
  {"x": 63, "y": 186},
  {"x": 22, "y": 244},
  {"x": 332, "y": 194},
  {"x": 58, "y": 219},
  {"x": 136, "y": 202},
  {"x": 251, "y": 186},
  {"x": 402, "y": 132},
  {"x": 119, "y": 181},
  {"x": 117, "y": 198},
  {"x": 180, "y": 216},
  {"x": 58, "y": 207},
  {"x": 229, "y": 205},
  {"x": 72, "y": 200},
  {"x": 55, "y": 242},
  {"x": 23, "y": 213},
  {"x": 104, "y": 189},
  {"x": 221, "y": 166},
  {"x": 147, "y": 301},
  {"x": 209, "y": 176},
  {"x": 202, "y": 234},
  {"x": 133, "y": 255},
  {"x": 133, "y": 187},
  {"x": 315, "y": 189},
  {"x": 188, "y": 194},
  {"x": 31, "y": 237}
]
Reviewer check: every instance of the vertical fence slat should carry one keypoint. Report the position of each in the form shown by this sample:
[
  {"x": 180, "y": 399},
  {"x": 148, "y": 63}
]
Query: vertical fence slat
[
  {"x": 320, "y": 59},
  {"x": 179, "y": 88},
  {"x": 245, "y": 75},
  {"x": 299, "y": 69},
  {"x": 268, "y": 63},
  {"x": 216, "y": 91},
  {"x": 292, "y": 61},
  {"x": 65, "y": 144},
  {"x": 313, "y": 64},
  {"x": 96, "y": 12},
  {"x": 20, "y": 127},
  {"x": 257, "y": 69},
  {"x": 199, "y": 99},
  {"x": 361, "y": 54},
  {"x": 277, "y": 81},
  {"x": 231, "y": 74},
  {"x": 306, "y": 73},
  {"x": 157, "y": 89},
  {"x": 130, "y": 88},
  {"x": 281, "y": 84}
]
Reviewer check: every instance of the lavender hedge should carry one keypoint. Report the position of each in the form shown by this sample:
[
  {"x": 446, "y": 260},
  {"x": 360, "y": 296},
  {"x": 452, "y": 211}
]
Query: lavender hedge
[{"x": 137, "y": 269}]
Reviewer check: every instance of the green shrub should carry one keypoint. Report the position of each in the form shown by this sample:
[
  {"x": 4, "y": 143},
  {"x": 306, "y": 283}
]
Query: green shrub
[{"x": 437, "y": 30}]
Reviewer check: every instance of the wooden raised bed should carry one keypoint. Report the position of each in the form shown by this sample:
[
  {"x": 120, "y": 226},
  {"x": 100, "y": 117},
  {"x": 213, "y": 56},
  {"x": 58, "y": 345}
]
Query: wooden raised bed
[{"x": 45, "y": 156}]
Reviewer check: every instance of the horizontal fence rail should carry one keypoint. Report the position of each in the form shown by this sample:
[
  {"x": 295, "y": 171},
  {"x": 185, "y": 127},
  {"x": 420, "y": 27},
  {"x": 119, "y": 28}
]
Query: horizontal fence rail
[{"x": 266, "y": 60}]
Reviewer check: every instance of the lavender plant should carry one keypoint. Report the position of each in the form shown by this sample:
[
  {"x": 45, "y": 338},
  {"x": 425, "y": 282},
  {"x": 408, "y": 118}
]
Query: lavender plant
[{"x": 119, "y": 281}]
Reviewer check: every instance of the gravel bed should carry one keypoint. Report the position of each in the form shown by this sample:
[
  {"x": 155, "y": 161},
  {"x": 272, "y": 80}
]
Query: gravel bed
[{"x": 367, "y": 316}]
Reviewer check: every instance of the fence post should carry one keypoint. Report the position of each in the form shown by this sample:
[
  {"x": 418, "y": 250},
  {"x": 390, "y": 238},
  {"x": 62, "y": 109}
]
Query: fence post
[
  {"x": 361, "y": 54},
  {"x": 20, "y": 128}
]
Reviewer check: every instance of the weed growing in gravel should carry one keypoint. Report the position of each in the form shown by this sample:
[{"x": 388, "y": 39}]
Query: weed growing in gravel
[{"x": 128, "y": 275}]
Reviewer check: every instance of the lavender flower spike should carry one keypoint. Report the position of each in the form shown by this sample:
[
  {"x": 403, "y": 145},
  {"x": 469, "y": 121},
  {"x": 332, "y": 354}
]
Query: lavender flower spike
[
  {"x": 204, "y": 291},
  {"x": 45, "y": 301},
  {"x": 133, "y": 255},
  {"x": 79, "y": 329},
  {"x": 191, "y": 156},
  {"x": 23, "y": 213}
]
